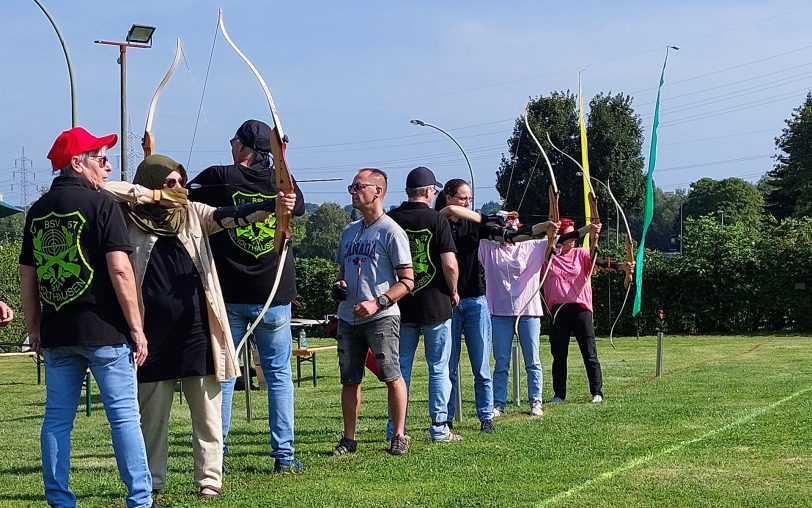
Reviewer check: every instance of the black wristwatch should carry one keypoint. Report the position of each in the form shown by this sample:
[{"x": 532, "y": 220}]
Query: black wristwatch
[{"x": 383, "y": 301}]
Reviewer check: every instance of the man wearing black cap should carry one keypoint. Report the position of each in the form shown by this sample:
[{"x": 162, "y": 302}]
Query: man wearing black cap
[
  {"x": 428, "y": 308},
  {"x": 81, "y": 312},
  {"x": 247, "y": 264}
]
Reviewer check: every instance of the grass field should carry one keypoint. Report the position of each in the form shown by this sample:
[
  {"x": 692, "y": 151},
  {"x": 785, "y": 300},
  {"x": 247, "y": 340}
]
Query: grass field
[{"x": 728, "y": 424}]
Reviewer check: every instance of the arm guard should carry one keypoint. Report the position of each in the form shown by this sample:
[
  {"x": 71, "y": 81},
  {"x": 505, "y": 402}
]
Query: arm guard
[{"x": 240, "y": 213}]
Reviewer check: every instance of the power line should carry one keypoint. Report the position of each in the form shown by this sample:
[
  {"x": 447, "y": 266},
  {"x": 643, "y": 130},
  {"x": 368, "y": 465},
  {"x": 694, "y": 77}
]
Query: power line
[
  {"x": 734, "y": 108},
  {"x": 769, "y": 86}
]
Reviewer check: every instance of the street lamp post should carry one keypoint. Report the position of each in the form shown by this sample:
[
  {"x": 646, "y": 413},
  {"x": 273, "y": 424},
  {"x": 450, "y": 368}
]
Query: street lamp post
[
  {"x": 722, "y": 213},
  {"x": 681, "y": 205},
  {"x": 67, "y": 59},
  {"x": 421, "y": 123},
  {"x": 139, "y": 36}
]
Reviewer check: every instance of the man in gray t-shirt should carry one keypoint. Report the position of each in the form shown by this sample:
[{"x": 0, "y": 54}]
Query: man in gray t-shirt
[
  {"x": 369, "y": 255},
  {"x": 375, "y": 271}
]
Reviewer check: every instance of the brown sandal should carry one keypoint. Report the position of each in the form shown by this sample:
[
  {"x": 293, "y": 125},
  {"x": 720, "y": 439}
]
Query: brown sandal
[{"x": 208, "y": 492}]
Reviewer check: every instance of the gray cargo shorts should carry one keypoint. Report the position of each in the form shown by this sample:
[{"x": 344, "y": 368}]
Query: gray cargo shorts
[{"x": 382, "y": 336}]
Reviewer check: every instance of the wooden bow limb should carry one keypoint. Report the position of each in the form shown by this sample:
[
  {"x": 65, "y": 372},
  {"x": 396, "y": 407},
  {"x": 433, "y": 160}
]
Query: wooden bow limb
[{"x": 148, "y": 141}]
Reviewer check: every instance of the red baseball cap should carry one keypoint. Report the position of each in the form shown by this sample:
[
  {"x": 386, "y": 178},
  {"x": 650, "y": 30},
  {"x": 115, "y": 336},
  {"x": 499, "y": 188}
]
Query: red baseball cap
[{"x": 77, "y": 141}]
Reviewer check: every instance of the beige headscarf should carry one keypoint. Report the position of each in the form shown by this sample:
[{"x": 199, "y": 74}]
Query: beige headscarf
[{"x": 154, "y": 218}]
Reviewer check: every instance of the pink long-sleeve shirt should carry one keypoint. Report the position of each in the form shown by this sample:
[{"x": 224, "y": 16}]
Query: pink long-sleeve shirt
[
  {"x": 512, "y": 276},
  {"x": 567, "y": 281}
]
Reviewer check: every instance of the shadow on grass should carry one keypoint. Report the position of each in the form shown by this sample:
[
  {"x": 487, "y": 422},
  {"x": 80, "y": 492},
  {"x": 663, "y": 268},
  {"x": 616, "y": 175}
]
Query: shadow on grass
[
  {"x": 20, "y": 470},
  {"x": 24, "y": 418},
  {"x": 29, "y": 498}
]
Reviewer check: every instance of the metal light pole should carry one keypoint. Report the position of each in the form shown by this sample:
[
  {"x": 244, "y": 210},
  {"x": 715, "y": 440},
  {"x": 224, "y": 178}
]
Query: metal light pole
[
  {"x": 139, "y": 36},
  {"x": 681, "y": 205},
  {"x": 421, "y": 123},
  {"x": 67, "y": 59},
  {"x": 722, "y": 213}
]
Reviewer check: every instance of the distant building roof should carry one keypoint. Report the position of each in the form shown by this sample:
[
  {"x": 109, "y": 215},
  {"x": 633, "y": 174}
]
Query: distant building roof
[{"x": 7, "y": 209}]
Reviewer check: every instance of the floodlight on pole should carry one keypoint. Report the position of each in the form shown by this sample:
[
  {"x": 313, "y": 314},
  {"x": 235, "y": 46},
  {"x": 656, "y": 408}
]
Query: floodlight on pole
[
  {"x": 421, "y": 123},
  {"x": 139, "y": 36}
]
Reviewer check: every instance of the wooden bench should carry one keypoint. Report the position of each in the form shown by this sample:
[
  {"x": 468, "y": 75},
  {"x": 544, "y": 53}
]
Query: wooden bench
[
  {"x": 6, "y": 352},
  {"x": 308, "y": 354}
]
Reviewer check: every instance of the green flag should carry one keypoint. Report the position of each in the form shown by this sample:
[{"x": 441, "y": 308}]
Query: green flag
[{"x": 648, "y": 213}]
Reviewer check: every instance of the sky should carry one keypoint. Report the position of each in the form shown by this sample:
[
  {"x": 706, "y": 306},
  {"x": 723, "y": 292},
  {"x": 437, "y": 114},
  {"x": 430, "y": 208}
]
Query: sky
[{"x": 347, "y": 78}]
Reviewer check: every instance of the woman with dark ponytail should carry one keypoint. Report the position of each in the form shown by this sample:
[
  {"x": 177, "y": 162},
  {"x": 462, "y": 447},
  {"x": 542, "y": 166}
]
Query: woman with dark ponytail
[{"x": 471, "y": 317}]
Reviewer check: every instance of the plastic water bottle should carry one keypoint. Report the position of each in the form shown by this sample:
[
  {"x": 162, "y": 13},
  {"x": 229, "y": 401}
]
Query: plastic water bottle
[{"x": 302, "y": 338}]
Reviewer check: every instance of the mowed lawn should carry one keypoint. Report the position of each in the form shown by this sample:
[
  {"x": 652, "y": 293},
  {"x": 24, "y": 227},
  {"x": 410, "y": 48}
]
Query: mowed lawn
[{"x": 728, "y": 424}]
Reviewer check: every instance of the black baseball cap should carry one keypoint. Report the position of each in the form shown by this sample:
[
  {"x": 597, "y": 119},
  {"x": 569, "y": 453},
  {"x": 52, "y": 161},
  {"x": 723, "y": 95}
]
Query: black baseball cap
[
  {"x": 422, "y": 177},
  {"x": 256, "y": 135}
]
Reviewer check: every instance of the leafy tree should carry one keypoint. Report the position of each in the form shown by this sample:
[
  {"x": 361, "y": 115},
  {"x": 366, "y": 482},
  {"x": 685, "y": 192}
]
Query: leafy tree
[
  {"x": 490, "y": 207},
  {"x": 739, "y": 200},
  {"x": 665, "y": 223},
  {"x": 314, "y": 280},
  {"x": 297, "y": 229},
  {"x": 11, "y": 227},
  {"x": 791, "y": 177},
  {"x": 352, "y": 213},
  {"x": 324, "y": 228},
  {"x": 615, "y": 144},
  {"x": 616, "y": 150},
  {"x": 523, "y": 179}
]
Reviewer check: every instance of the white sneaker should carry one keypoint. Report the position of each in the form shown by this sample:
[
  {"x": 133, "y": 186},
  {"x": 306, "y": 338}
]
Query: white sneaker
[
  {"x": 555, "y": 400},
  {"x": 498, "y": 411},
  {"x": 597, "y": 399},
  {"x": 535, "y": 408},
  {"x": 449, "y": 438}
]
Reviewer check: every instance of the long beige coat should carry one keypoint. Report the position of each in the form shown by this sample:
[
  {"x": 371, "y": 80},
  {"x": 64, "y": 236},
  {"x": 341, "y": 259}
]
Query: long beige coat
[{"x": 195, "y": 239}]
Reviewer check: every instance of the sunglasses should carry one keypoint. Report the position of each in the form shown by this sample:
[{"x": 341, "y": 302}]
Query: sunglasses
[
  {"x": 101, "y": 159},
  {"x": 172, "y": 182},
  {"x": 359, "y": 186}
]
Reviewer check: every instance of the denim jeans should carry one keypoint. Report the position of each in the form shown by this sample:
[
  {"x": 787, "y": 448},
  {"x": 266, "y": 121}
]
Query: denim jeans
[
  {"x": 275, "y": 344},
  {"x": 437, "y": 341},
  {"x": 529, "y": 330},
  {"x": 472, "y": 319},
  {"x": 113, "y": 369}
]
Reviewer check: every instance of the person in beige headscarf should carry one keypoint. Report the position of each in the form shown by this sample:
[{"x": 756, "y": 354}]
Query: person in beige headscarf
[{"x": 184, "y": 314}]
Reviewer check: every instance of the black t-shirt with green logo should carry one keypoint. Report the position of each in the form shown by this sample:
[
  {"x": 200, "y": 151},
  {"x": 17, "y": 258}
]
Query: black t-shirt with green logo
[
  {"x": 245, "y": 257},
  {"x": 429, "y": 236},
  {"x": 68, "y": 232},
  {"x": 466, "y": 237}
]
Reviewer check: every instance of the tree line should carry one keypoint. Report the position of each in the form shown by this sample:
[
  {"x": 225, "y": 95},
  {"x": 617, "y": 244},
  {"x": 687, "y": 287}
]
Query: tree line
[{"x": 722, "y": 256}]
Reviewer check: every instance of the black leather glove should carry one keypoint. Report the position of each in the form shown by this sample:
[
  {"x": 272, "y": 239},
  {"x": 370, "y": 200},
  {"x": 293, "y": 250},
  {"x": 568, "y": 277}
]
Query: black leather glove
[{"x": 339, "y": 292}]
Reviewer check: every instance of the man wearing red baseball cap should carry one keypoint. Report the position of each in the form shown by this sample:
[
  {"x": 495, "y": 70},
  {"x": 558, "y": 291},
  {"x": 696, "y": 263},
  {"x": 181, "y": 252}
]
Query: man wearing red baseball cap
[{"x": 79, "y": 300}]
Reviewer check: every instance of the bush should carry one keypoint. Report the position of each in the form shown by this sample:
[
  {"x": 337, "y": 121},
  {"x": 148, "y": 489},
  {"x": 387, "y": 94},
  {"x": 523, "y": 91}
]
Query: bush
[
  {"x": 10, "y": 291},
  {"x": 314, "y": 280}
]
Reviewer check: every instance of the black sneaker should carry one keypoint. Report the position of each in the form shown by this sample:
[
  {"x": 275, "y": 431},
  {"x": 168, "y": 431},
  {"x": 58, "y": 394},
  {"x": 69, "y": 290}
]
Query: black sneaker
[
  {"x": 486, "y": 426},
  {"x": 399, "y": 445},
  {"x": 345, "y": 446},
  {"x": 288, "y": 466}
]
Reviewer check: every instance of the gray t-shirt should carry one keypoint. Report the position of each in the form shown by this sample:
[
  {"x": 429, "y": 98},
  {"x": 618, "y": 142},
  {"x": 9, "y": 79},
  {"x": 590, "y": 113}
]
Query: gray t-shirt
[{"x": 369, "y": 256}]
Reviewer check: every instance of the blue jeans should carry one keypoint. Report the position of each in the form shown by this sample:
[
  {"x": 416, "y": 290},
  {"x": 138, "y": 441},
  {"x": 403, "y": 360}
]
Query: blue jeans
[
  {"x": 114, "y": 371},
  {"x": 275, "y": 344},
  {"x": 471, "y": 318},
  {"x": 529, "y": 330},
  {"x": 437, "y": 341}
]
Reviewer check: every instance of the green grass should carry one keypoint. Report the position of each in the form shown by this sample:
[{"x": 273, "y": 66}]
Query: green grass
[{"x": 729, "y": 424}]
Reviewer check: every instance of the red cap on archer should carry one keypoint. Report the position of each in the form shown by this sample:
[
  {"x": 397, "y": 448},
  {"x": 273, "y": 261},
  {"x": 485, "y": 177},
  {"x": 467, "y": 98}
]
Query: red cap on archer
[{"x": 76, "y": 141}]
